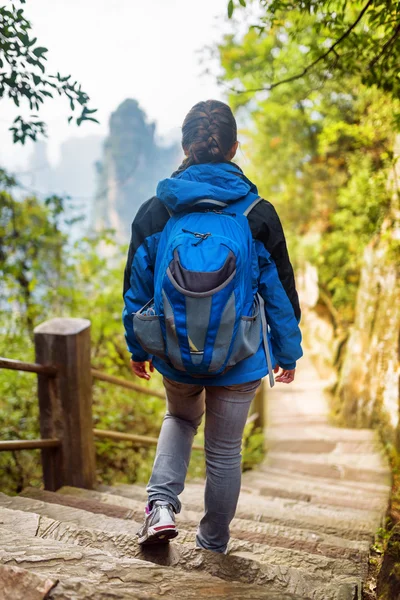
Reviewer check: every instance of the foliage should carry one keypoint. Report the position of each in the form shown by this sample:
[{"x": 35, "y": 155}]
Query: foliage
[
  {"x": 23, "y": 76},
  {"x": 361, "y": 207},
  {"x": 253, "y": 447},
  {"x": 358, "y": 38},
  {"x": 320, "y": 151},
  {"x": 28, "y": 267},
  {"x": 43, "y": 276}
]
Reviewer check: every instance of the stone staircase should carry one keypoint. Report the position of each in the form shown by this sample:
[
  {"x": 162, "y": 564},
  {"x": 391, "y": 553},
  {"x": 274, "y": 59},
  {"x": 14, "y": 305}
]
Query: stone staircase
[{"x": 305, "y": 521}]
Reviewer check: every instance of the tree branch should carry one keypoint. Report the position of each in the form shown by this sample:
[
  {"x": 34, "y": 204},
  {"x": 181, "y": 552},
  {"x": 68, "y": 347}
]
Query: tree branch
[
  {"x": 386, "y": 47},
  {"x": 330, "y": 50}
]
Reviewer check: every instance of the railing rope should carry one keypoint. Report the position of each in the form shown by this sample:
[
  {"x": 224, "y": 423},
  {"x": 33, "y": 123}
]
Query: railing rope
[
  {"x": 126, "y": 384},
  {"x": 19, "y": 365},
  {"x": 131, "y": 437},
  {"x": 29, "y": 444}
]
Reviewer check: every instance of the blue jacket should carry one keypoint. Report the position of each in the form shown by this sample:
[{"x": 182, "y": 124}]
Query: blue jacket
[{"x": 218, "y": 181}]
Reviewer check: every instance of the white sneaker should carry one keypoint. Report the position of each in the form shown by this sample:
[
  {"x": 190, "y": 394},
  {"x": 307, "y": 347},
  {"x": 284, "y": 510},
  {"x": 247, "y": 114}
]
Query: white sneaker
[{"x": 159, "y": 525}]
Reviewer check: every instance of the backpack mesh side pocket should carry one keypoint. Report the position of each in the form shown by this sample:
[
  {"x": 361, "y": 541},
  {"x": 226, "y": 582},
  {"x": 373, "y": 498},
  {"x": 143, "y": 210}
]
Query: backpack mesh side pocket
[
  {"x": 148, "y": 332},
  {"x": 248, "y": 337}
]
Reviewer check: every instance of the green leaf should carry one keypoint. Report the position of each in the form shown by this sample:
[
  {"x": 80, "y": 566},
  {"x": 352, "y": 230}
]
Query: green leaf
[
  {"x": 39, "y": 51},
  {"x": 24, "y": 38},
  {"x": 230, "y": 8},
  {"x": 89, "y": 111},
  {"x": 242, "y": 2}
]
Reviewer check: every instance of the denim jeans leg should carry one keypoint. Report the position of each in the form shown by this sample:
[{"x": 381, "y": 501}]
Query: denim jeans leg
[
  {"x": 185, "y": 408},
  {"x": 226, "y": 413}
]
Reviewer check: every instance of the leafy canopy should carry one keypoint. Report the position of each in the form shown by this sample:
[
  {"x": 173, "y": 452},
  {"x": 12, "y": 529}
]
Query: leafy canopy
[
  {"x": 44, "y": 275},
  {"x": 25, "y": 80},
  {"x": 352, "y": 38},
  {"x": 320, "y": 149}
]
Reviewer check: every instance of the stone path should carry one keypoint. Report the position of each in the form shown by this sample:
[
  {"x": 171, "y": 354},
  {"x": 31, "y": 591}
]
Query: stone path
[{"x": 306, "y": 518}]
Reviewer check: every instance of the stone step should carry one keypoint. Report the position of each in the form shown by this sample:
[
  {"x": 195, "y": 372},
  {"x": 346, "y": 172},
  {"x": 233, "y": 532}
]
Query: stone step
[
  {"x": 67, "y": 514},
  {"x": 257, "y": 484},
  {"x": 256, "y": 487},
  {"x": 252, "y": 510},
  {"x": 260, "y": 484},
  {"x": 313, "y": 542},
  {"x": 306, "y": 575},
  {"x": 250, "y": 505},
  {"x": 300, "y": 481},
  {"x": 353, "y": 467},
  {"x": 77, "y": 590},
  {"x": 364, "y": 461},
  {"x": 80, "y": 569},
  {"x": 20, "y": 584},
  {"x": 350, "y": 561},
  {"x": 369, "y": 488},
  {"x": 274, "y": 491},
  {"x": 80, "y": 498},
  {"x": 306, "y": 540},
  {"x": 300, "y": 445},
  {"x": 323, "y": 432}
]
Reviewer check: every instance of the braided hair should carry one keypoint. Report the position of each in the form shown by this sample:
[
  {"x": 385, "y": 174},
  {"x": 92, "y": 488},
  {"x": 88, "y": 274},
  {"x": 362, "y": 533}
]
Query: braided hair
[{"x": 208, "y": 133}]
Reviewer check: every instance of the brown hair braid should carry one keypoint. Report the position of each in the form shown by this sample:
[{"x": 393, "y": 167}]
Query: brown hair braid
[{"x": 208, "y": 132}]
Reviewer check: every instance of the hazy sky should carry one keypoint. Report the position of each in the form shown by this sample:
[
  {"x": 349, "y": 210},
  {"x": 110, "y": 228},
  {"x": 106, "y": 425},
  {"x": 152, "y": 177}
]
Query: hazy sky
[{"x": 144, "y": 49}]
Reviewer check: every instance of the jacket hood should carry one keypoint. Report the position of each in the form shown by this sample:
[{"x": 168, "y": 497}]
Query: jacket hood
[{"x": 216, "y": 181}]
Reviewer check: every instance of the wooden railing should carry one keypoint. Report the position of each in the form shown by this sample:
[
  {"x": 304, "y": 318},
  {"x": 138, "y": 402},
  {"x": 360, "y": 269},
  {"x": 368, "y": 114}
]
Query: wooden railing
[{"x": 62, "y": 348}]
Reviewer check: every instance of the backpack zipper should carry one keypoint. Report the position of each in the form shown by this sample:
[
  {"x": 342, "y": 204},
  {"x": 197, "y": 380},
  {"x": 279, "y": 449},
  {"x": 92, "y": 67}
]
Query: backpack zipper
[
  {"x": 202, "y": 236},
  {"x": 219, "y": 212}
]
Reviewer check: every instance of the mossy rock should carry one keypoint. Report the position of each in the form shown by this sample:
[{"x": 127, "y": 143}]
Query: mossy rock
[{"x": 389, "y": 576}]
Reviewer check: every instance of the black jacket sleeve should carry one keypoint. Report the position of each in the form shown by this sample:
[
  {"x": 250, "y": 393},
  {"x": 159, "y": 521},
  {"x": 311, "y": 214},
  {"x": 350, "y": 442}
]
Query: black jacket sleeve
[
  {"x": 266, "y": 227},
  {"x": 151, "y": 218}
]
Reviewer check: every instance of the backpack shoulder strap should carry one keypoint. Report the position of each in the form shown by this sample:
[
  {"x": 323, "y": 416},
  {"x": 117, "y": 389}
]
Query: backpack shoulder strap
[
  {"x": 245, "y": 205},
  {"x": 247, "y": 211}
]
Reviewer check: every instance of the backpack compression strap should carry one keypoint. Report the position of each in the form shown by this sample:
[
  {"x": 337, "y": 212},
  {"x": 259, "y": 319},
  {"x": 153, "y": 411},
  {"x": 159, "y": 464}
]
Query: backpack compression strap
[{"x": 265, "y": 341}]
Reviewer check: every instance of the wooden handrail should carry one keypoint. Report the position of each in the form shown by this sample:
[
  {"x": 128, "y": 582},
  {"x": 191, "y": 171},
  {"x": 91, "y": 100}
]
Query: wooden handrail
[
  {"x": 130, "y": 437},
  {"x": 252, "y": 418},
  {"x": 126, "y": 384},
  {"x": 29, "y": 444},
  {"x": 19, "y": 365}
]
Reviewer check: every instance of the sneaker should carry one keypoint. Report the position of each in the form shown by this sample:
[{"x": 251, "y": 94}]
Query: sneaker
[{"x": 159, "y": 525}]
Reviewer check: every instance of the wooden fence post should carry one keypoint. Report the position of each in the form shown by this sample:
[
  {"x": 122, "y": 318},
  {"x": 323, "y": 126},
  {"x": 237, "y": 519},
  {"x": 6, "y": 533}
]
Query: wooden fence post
[
  {"x": 259, "y": 406},
  {"x": 65, "y": 402}
]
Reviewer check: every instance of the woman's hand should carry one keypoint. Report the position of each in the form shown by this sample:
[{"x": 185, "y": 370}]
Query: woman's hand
[
  {"x": 285, "y": 376},
  {"x": 139, "y": 369}
]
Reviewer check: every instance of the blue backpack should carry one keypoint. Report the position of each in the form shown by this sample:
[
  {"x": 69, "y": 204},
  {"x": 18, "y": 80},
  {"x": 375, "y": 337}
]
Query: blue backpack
[{"x": 206, "y": 315}]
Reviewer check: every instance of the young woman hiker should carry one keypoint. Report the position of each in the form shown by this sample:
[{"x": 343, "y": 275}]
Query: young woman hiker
[{"x": 211, "y": 303}]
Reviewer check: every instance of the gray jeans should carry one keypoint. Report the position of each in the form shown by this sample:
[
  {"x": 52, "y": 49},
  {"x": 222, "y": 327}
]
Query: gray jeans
[{"x": 226, "y": 411}]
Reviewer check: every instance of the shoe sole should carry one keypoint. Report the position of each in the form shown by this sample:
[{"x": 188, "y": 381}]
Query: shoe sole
[{"x": 157, "y": 535}]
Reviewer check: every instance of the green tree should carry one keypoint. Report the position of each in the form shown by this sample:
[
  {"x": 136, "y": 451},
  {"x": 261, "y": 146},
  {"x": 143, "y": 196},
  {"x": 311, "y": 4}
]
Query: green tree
[
  {"x": 44, "y": 276},
  {"x": 319, "y": 148},
  {"x": 25, "y": 80},
  {"x": 352, "y": 38}
]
